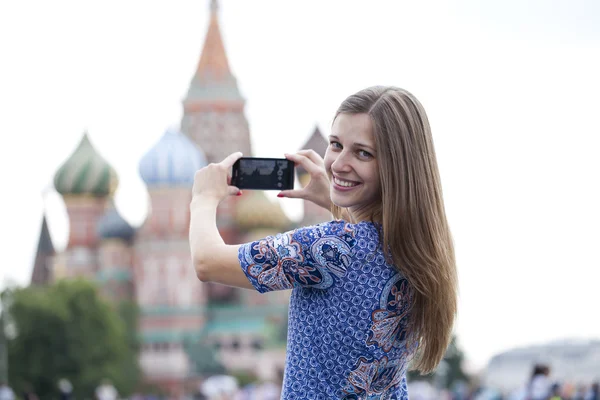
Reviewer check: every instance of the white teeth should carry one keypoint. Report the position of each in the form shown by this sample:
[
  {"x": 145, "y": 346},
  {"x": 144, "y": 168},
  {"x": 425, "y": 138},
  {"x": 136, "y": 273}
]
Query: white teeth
[{"x": 344, "y": 183}]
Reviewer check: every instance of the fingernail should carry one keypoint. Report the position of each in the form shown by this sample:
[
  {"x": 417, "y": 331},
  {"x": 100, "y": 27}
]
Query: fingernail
[
  {"x": 239, "y": 193},
  {"x": 280, "y": 195}
]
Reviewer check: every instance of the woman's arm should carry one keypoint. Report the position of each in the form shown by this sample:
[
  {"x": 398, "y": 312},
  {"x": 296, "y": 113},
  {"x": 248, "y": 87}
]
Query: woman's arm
[{"x": 213, "y": 260}]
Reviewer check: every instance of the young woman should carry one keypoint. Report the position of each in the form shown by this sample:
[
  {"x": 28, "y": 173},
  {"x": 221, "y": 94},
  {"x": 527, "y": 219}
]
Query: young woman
[{"x": 375, "y": 289}]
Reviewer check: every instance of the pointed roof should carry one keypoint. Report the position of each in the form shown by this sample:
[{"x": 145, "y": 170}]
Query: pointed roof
[
  {"x": 41, "y": 268},
  {"x": 213, "y": 61},
  {"x": 213, "y": 79},
  {"x": 316, "y": 142}
]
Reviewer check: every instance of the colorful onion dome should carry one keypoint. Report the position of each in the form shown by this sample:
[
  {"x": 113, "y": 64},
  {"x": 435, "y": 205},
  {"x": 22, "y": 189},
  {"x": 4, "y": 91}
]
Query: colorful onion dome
[
  {"x": 113, "y": 226},
  {"x": 172, "y": 161},
  {"x": 254, "y": 210},
  {"x": 85, "y": 173}
]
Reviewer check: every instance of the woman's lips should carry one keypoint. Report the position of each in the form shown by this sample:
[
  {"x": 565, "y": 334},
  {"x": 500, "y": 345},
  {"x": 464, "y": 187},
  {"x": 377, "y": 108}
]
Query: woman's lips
[{"x": 344, "y": 185}]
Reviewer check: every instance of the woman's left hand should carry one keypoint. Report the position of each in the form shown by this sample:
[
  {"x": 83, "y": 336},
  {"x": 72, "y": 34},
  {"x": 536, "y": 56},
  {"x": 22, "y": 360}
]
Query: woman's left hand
[{"x": 213, "y": 180}]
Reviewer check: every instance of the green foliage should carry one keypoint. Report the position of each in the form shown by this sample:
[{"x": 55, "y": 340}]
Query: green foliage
[
  {"x": 132, "y": 374},
  {"x": 67, "y": 331},
  {"x": 453, "y": 360}
]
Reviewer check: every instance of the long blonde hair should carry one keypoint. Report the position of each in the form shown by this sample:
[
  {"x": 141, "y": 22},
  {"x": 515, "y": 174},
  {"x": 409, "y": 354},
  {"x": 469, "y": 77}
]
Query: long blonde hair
[{"x": 415, "y": 229}]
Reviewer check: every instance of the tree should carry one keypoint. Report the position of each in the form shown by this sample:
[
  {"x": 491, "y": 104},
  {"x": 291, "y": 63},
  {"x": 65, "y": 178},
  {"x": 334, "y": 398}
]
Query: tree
[
  {"x": 66, "y": 330},
  {"x": 454, "y": 360},
  {"x": 452, "y": 364},
  {"x": 129, "y": 313},
  {"x": 3, "y": 342}
]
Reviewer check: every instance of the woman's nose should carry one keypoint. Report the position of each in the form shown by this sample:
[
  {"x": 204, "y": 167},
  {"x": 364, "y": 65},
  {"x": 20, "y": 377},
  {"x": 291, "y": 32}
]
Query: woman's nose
[{"x": 341, "y": 164}]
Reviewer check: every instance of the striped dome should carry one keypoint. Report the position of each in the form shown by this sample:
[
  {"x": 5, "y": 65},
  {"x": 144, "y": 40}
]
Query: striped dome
[
  {"x": 113, "y": 226},
  {"x": 85, "y": 173},
  {"x": 254, "y": 210},
  {"x": 172, "y": 161}
]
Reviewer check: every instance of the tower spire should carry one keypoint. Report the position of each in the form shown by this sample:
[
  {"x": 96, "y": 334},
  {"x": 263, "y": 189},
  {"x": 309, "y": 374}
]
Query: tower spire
[
  {"x": 213, "y": 65},
  {"x": 42, "y": 266}
]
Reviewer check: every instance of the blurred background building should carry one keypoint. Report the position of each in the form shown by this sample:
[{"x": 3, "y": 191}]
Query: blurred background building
[
  {"x": 573, "y": 361},
  {"x": 187, "y": 328}
]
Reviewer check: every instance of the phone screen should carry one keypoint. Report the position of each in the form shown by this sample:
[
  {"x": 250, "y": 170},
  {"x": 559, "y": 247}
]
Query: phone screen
[{"x": 263, "y": 173}]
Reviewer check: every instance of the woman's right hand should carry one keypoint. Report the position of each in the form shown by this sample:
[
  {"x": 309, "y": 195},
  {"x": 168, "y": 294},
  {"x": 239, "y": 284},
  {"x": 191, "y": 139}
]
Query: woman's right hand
[{"x": 317, "y": 189}]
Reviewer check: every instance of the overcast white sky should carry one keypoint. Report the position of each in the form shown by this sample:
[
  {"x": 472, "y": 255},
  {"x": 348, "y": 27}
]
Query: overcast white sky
[{"x": 511, "y": 89}]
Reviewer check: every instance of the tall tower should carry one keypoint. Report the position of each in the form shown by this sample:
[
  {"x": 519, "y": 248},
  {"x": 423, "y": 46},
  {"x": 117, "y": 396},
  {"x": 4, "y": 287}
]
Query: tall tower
[
  {"x": 313, "y": 214},
  {"x": 85, "y": 181},
  {"x": 170, "y": 297},
  {"x": 213, "y": 114},
  {"x": 213, "y": 109}
]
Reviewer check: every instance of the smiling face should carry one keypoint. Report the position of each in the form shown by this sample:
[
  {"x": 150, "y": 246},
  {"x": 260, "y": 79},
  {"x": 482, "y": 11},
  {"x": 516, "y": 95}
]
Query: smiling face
[{"x": 351, "y": 162}]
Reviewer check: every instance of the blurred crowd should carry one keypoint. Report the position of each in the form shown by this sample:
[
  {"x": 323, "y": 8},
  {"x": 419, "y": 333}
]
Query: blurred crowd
[
  {"x": 218, "y": 387},
  {"x": 541, "y": 386},
  {"x": 104, "y": 391},
  {"x": 538, "y": 386}
]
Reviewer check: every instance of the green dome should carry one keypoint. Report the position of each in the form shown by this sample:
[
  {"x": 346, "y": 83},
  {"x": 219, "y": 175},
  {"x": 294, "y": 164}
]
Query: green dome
[{"x": 85, "y": 173}]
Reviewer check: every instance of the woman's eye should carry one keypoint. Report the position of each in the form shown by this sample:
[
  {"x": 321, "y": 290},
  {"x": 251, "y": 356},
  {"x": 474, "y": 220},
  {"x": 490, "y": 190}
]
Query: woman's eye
[
  {"x": 335, "y": 145},
  {"x": 365, "y": 154}
]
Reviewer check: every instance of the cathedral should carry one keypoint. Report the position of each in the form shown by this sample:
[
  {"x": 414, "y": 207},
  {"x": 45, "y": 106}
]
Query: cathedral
[{"x": 180, "y": 317}]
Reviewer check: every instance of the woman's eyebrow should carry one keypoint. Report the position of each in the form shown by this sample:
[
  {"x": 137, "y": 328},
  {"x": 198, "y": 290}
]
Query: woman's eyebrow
[
  {"x": 366, "y": 146},
  {"x": 356, "y": 144}
]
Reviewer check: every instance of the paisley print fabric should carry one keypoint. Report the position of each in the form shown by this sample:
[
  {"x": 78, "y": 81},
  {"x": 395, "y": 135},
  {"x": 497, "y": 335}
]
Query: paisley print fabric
[{"x": 348, "y": 331}]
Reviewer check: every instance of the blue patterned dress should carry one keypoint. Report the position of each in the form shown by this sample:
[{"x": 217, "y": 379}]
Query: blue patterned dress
[{"x": 347, "y": 332}]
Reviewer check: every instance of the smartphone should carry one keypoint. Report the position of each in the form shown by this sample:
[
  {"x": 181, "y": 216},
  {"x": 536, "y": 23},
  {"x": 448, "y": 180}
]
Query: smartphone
[{"x": 263, "y": 173}]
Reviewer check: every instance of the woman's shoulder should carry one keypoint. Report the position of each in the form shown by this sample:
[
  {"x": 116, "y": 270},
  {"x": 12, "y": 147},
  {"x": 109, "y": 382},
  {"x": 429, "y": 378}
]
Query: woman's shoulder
[
  {"x": 335, "y": 234},
  {"x": 339, "y": 226}
]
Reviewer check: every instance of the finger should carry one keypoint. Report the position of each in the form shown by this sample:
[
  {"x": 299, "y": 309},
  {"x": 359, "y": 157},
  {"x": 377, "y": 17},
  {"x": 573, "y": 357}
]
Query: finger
[
  {"x": 292, "y": 194},
  {"x": 313, "y": 156},
  {"x": 233, "y": 191},
  {"x": 305, "y": 162},
  {"x": 231, "y": 159}
]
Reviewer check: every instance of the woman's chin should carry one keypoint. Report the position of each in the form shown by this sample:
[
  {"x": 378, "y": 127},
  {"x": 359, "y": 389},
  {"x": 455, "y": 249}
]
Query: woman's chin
[{"x": 342, "y": 203}]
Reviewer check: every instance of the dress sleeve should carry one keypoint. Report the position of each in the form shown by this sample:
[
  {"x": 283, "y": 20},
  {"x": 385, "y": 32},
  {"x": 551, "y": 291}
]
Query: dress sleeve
[{"x": 313, "y": 256}]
